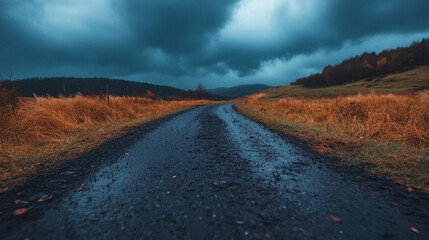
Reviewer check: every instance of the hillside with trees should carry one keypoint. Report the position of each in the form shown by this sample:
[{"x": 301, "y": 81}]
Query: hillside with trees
[
  {"x": 66, "y": 86},
  {"x": 370, "y": 65}
]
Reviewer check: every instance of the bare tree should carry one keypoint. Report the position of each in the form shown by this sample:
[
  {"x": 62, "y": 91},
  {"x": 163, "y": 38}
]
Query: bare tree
[
  {"x": 199, "y": 93},
  {"x": 9, "y": 94}
]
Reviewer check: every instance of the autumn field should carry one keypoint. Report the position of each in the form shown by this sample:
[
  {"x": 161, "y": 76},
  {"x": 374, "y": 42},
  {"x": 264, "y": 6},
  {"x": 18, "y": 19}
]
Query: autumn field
[
  {"x": 388, "y": 134},
  {"x": 405, "y": 82},
  {"x": 38, "y": 134}
]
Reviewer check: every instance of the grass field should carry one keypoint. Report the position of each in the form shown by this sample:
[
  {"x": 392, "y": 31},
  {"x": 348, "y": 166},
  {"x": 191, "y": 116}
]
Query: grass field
[
  {"x": 401, "y": 83},
  {"x": 44, "y": 132},
  {"x": 383, "y": 127}
]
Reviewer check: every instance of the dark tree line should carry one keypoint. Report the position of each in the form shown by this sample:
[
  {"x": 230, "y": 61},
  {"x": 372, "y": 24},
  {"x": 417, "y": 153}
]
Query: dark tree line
[
  {"x": 9, "y": 101},
  {"x": 9, "y": 94},
  {"x": 66, "y": 86},
  {"x": 369, "y": 65}
]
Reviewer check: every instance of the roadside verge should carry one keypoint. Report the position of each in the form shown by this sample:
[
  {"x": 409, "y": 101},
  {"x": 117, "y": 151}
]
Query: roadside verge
[{"x": 403, "y": 162}]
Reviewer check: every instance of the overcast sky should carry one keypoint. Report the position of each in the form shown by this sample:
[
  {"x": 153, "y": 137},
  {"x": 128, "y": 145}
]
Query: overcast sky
[{"x": 184, "y": 42}]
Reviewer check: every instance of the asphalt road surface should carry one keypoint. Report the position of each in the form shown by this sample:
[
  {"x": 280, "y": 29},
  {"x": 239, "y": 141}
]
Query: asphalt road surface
[{"x": 211, "y": 173}]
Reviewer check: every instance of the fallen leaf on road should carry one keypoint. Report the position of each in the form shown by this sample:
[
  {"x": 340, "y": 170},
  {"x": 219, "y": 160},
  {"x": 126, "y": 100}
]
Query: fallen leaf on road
[
  {"x": 414, "y": 230},
  {"x": 378, "y": 194},
  {"x": 79, "y": 189},
  {"x": 21, "y": 211},
  {"x": 17, "y": 201},
  {"x": 410, "y": 189},
  {"x": 174, "y": 176},
  {"x": 336, "y": 219},
  {"x": 44, "y": 198}
]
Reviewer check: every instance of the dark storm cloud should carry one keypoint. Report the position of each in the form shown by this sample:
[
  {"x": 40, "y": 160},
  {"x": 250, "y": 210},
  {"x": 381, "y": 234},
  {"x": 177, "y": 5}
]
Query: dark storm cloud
[
  {"x": 169, "y": 41},
  {"x": 332, "y": 23},
  {"x": 29, "y": 42},
  {"x": 178, "y": 27},
  {"x": 148, "y": 35},
  {"x": 353, "y": 19}
]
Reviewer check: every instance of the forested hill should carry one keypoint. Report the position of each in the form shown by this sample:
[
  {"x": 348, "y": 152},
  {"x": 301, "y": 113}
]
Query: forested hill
[
  {"x": 370, "y": 65},
  {"x": 91, "y": 86}
]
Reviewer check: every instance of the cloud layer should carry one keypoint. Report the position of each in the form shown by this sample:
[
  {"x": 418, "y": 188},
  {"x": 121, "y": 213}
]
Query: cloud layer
[{"x": 184, "y": 42}]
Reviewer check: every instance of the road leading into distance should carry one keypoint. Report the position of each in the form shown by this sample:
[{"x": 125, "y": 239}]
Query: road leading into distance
[{"x": 211, "y": 173}]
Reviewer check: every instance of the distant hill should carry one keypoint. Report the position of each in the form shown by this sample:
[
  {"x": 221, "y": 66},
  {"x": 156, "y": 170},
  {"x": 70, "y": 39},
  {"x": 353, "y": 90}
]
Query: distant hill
[
  {"x": 410, "y": 81},
  {"x": 370, "y": 65},
  {"x": 91, "y": 86},
  {"x": 238, "y": 91}
]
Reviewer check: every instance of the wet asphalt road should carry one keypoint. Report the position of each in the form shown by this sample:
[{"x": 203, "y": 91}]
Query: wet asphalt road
[{"x": 211, "y": 173}]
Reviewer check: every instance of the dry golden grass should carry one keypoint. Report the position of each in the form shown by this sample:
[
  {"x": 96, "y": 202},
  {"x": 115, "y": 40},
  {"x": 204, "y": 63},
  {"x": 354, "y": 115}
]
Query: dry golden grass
[
  {"x": 389, "y": 132},
  {"x": 44, "y": 132}
]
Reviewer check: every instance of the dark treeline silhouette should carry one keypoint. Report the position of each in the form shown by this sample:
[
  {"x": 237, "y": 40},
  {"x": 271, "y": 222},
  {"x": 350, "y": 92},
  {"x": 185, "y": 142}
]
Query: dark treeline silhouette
[
  {"x": 66, "y": 86},
  {"x": 9, "y": 95},
  {"x": 9, "y": 101},
  {"x": 199, "y": 93},
  {"x": 370, "y": 65}
]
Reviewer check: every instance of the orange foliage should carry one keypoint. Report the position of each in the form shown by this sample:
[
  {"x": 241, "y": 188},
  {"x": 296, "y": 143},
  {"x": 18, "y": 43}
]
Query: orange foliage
[
  {"x": 149, "y": 95},
  {"x": 367, "y": 65},
  {"x": 382, "y": 61}
]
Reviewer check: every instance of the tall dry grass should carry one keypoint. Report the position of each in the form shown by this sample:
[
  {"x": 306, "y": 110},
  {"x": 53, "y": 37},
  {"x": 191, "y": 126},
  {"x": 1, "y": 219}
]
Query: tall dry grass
[
  {"x": 44, "y": 131},
  {"x": 389, "y": 134},
  {"x": 390, "y": 118},
  {"x": 47, "y": 119}
]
